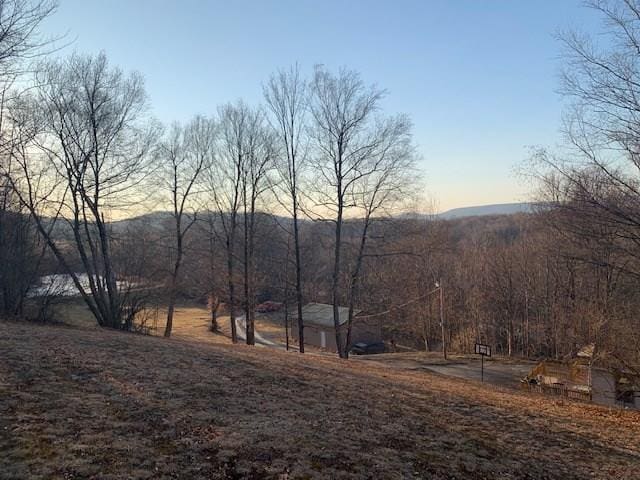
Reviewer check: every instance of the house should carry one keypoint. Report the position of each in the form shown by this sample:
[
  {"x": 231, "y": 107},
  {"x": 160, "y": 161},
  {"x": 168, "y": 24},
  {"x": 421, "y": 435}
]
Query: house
[
  {"x": 577, "y": 378},
  {"x": 319, "y": 329}
]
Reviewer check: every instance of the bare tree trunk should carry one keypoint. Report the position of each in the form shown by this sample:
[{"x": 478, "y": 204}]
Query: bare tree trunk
[
  {"x": 174, "y": 277},
  {"x": 526, "y": 323},
  {"x": 355, "y": 276},
  {"x": 252, "y": 271},
  {"x": 172, "y": 292},
  {"x": 230, "y": 282},
  {"x": 444, "y": 337},
  {"x": 214, "y": 304},
  {"x": 299, "y": 300},
  {"x": 214, "y": 301},
  {"x": 248, "y": 317},
  {"x": 286, "y": 315},
  {"x": 425, "y": 337},
  {"x": 335, "y": 284},
  {"x": 172, "y": 303}
]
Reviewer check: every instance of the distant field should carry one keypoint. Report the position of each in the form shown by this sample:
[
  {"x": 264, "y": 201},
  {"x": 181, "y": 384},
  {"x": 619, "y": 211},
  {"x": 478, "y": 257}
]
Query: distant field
[{"x": 87, "y": 403}]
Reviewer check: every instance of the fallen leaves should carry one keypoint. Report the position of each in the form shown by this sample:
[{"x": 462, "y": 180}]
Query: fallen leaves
[{"x": 99, "y": 404}]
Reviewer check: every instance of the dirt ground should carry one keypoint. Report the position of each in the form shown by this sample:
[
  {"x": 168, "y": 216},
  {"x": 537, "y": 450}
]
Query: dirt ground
[{"x": 89, "y": 403}]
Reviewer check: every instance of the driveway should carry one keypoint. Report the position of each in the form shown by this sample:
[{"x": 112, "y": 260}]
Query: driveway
[
  {"x": 241, "y": 326},
  {"x": 496, "y": 373},
  {"x": 504, "y": 373}
]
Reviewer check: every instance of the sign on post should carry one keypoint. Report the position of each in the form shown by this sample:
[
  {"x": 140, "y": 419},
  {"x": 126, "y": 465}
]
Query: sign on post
[{"x": 484, "y": 351}]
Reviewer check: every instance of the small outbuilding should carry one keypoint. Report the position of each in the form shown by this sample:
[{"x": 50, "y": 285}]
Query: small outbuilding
[
  {"x": 319, "y": 330},
  {"x": 578, "y": 378}
]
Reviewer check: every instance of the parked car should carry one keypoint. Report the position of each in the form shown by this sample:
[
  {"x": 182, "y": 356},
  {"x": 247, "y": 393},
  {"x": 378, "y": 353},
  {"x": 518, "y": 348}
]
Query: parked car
[
  {"x": 362, "y": 348},
  {"x": 268, "y": 307}
]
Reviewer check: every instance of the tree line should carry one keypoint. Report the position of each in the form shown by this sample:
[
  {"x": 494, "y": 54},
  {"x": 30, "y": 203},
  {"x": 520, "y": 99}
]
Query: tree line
[
  {"x": 304, "y": 198},
  {"x": 80, "y": 150}
]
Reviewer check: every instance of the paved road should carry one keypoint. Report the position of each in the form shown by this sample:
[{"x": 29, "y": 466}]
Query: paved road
[{"x": 502, "y": 374}]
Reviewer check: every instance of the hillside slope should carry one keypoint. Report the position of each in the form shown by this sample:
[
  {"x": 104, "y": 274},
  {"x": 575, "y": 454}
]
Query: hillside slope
[{"x": 98, "y": 404}]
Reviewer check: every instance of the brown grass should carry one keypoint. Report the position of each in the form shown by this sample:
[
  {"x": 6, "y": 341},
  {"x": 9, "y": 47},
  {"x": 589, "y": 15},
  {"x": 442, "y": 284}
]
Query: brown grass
[
  {"x": 191, "y": 321},
  {"x": 88, "y": 403}
]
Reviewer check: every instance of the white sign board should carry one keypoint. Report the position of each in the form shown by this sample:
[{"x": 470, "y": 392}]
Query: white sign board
[{"x": 484, "y": 350}]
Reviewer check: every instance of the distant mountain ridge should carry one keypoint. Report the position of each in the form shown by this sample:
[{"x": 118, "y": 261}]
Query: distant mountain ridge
[
  {"x": 483, "y": 210},
  {"x": 161, "y": 219}
]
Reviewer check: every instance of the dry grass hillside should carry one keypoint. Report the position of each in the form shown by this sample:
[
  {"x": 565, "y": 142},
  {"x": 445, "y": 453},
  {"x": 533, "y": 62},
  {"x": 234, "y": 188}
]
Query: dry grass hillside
[{"x": 80, "y": 403}]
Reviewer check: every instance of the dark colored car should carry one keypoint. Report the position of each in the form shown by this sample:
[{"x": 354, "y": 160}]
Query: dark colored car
[{"x": 362, "y": 348}]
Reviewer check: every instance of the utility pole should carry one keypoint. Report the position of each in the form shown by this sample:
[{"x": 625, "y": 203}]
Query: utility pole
[{"x": 444, "y": 341}]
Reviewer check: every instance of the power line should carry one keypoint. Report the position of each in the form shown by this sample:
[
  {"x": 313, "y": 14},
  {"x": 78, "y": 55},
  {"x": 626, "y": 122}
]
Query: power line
[{"x": 396, "y": 307}]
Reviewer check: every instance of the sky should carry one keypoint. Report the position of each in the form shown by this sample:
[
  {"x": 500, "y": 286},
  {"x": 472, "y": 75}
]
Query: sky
[{"x": 479, "y": 78}]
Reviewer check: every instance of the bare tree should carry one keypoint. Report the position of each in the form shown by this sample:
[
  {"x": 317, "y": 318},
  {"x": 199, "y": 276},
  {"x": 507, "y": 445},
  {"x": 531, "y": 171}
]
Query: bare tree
[
  {"x": 383, "y": 191},
  {"x": 20, "y": 39},
  {"x": 258, "y": 160},
  {"x": 286, "y": 96},
  {"x": 21, "y": 252},
  {"x": 207, "y": 224},
  {"x": 186, "y": 154},
  {"x": 20, "y": 248},
  {"x": 594, "y": 185},
  {"x": 350, "y": 144},
  {"x": 94, "y": 148},
  {"x": 225, "y": 180},
  {"x": 599, "y": 174}
]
